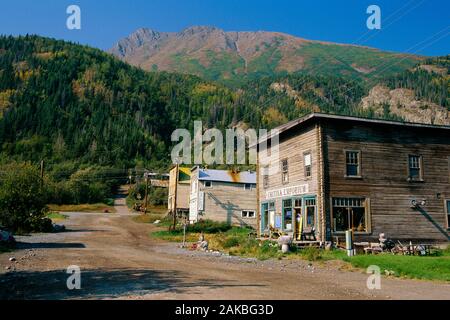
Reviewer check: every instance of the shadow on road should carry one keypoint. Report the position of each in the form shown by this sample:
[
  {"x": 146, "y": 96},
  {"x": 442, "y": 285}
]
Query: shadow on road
[
  {"x": 48, "y": 245},
  {"x": 101, "y": 284}
]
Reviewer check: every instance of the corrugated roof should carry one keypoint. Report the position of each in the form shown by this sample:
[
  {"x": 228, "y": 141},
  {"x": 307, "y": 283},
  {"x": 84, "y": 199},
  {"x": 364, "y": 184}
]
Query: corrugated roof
[
  {"x": 291, "y": 124},
  {"x": 227, "y": 176}
]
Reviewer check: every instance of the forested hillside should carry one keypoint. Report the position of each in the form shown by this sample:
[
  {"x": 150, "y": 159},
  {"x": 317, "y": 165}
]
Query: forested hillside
[{"x": 73, "y": 105}]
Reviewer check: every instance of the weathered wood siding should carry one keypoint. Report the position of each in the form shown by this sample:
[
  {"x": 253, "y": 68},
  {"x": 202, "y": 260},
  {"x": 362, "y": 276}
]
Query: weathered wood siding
[
  {"x": 292, "y": 146},
  {"x": 224, "y": 202},
  {"x": 384, "y": 170}
]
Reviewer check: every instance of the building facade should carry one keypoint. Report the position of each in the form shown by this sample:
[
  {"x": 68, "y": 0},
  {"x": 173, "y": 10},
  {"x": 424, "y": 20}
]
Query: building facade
[
  {"x": 179, "y": 188},
  {"x": 371, "y": 176},
  {"x": 224, "y": 196}
]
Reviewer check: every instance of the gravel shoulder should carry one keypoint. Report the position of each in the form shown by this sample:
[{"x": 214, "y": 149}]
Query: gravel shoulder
[{"x": 119, "y": 260}]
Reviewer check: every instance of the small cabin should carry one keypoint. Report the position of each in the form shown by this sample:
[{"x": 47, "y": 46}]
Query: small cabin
[{"x": 224, "y": 196}]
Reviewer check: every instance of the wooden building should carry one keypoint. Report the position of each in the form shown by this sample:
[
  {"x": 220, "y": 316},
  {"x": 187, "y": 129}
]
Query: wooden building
[
  {"x": 223, "y": 195},
  {"x": 179, "y": 187},
  {"x": 372, "y": 176}
]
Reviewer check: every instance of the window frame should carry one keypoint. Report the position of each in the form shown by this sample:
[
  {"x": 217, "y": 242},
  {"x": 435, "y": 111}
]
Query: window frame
[
  {"x": 447, "y": 212},
  {"x": 210, "y": 184},
  {"x": 283, "y": 172},
  {"x": 265, "y": 177},
  {"x": 368, "y": 215},
  {"x": 251, "y": 186},
  {"x": 307, "y": 177},
  {"x": 271, "y": 205},
  {"x": 247, "y": 216},
  {"x": 420, "y": 179},
  {"x": 359, "y": 164}
]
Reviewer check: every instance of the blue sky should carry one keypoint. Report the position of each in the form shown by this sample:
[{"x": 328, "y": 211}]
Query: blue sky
[{"x": 415, "y": 26}]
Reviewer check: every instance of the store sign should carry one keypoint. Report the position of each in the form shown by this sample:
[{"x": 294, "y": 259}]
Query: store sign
[{"x": 287, "y": 192}]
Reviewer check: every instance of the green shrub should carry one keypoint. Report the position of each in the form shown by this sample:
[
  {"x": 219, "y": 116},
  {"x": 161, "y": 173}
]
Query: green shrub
[
  {"x": 22, "y": 199},
  {"x": 230, "y": 242},
  {"x": 209, "y": 226},
  {"x": 311, "y": 254}
]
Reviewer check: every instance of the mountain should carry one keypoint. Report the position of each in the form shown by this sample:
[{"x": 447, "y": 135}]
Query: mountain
[
  {"x": 231, "y": 57},
  {"x": 72, "y": 104}
]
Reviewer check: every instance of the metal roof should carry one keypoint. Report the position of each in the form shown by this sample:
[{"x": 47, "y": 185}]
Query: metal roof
[
  {"x": 227, "y": 176},
  {"x": 291, "y": 124}
]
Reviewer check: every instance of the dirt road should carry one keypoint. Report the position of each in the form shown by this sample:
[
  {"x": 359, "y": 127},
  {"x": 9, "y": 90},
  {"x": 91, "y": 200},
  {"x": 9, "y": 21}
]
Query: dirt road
[{"x": 119, "y": 260}]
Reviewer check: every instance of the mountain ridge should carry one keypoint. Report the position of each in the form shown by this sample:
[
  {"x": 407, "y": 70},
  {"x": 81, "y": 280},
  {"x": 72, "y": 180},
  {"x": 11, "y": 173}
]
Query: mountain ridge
[{"x": 215, "y": 54}]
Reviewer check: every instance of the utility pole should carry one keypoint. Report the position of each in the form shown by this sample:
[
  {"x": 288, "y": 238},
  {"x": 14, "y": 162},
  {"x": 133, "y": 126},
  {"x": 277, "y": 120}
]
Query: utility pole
[
  {"x": 146, "y": 192},
  {"x": 177, "y": 172},
  {"x": 42, "y": 173}
]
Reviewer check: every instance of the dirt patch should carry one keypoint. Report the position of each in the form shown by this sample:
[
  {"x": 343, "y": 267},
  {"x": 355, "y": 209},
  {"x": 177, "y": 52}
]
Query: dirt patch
[{"x": 118, "y": 260}]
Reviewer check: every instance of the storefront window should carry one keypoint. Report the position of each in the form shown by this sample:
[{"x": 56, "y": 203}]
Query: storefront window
[
  {"x": 349, "y": 214},
  {"x": 265, "y": 210},
  {"x": 287, "y": 214},
  {"x": 310, "y": 205}
]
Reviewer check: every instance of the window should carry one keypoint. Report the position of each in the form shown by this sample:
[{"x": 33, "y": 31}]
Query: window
[
  {"x": 265, "y": 177},
  {"x": 310, "y": 207},
  {"x": 249, "y": 186},
  {"x": 307, "y": 164},
  {"x": 248, "y": 214},
  {"x": 349, "y": 214},
  {"x": 415, "y": 167},
  {"x": 284, "y": 171},
  {"x": 208, "y": 184},
  {"x": 266, "y": 208},
  {"x": 287, "y": 214},
  {"x": 448, "y": 213},
  {"x": 352, "y": 160}
]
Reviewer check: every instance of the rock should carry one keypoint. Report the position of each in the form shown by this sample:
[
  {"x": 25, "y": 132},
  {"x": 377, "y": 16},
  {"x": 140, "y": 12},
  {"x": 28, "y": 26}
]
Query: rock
[
  {"x": 7, "y": 268},
  {"x": 157, "y": 221},
  {"x": 12, "y": 259}
]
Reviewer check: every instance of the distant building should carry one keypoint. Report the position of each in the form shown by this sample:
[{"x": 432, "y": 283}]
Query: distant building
[
  {"x": 179, "y": 189},
  {"x": 371, "y": 176},
  {"x": 223, "y": 195}
]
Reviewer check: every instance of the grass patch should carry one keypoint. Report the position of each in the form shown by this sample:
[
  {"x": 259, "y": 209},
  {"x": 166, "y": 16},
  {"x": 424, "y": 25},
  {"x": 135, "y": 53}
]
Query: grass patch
[
  {"x": 414, "y": 267},
  {"x": 94, "y": 208},
  {"x": 56, "y": 216}
]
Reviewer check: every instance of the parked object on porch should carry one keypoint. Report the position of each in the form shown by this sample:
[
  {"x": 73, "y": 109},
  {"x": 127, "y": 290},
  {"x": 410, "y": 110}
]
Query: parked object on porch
[{"x": 309, "y": 234}]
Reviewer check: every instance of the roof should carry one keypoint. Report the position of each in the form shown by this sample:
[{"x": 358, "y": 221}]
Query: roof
[
  {"x": 227, "y": 176},
  {"x": 315, "y": 116}
]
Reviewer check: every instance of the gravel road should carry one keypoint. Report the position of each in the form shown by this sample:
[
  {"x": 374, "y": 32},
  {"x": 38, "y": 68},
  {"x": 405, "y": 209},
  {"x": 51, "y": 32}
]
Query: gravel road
[{"x": 119, "y": 260}]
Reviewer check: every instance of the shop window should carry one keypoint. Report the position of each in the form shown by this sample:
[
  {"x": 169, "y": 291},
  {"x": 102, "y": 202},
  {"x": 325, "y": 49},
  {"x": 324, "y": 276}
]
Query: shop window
[
  {"x": 352, "y": 160},
  {"x": 310, "y": 207},
  {"x": 349, "y": 214},
  {"x": 284, "y": 171},
  {"x": 307, "y": 164},
  {"x": 287, "y": 214},
  {"x": 415, "y": 167},
  {"x": 266, "y": 208}
]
